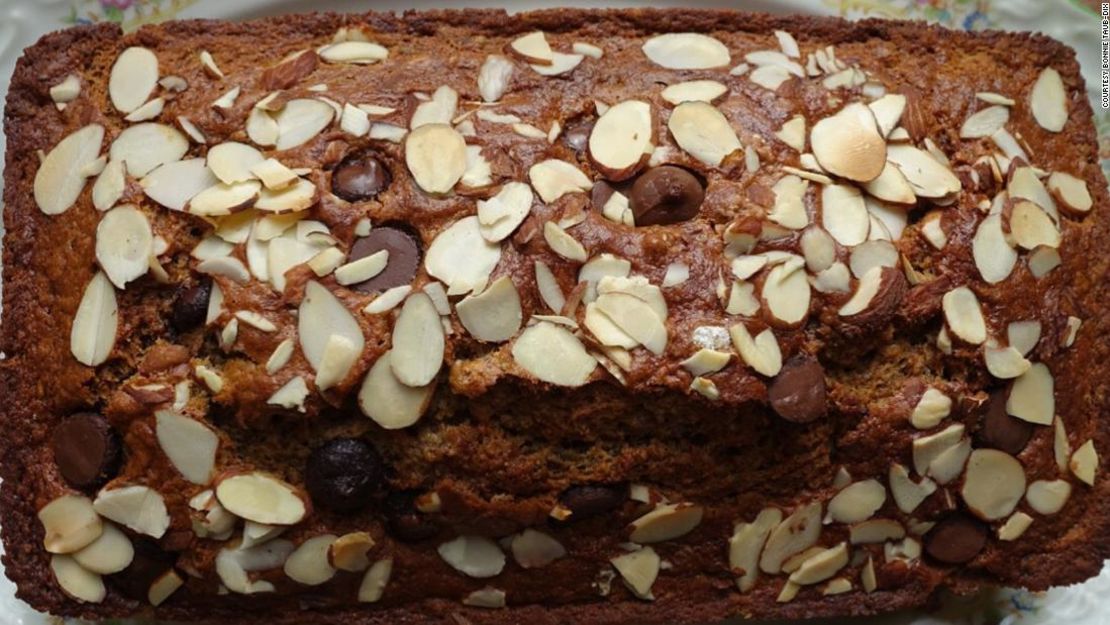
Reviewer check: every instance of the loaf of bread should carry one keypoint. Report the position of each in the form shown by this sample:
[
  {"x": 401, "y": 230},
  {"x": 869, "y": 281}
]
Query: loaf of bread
[{"x": 631, "y": 316}]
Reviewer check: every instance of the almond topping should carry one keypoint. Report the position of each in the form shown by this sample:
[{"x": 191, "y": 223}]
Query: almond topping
[
  {"x": 985, "y": 123},
  {"x": 686, "y": 51},
  {"x": 638, "y": 570},
  {"x": 964, "y": 315},
  {"x": 703, "y": 132},
  {"x": 994, "y": 256},
  {"x": 696, "y": 91},
  {"x": 77, "y": 581},
  {"x": 1070, "y": 191},
  {"x": 93, "y": 334},
  {"x": 927, "y": 176},
  {"x": 189, "y": 444},
  {"x": 848, "y": 144},
  {"x": 309, "y": 564},
  {"x": 1032, "y": 397},
  {"x": 140, "y": 508},
  {"x": 495, "y": 315},
  {"x": 60, "y": 178},
  {"x": 354, "y": 52},
  {"x": 666, "y": 522},
  {"x": 746, "y": 544},
  {"x": 621, "y": 139},
  {"x": 474, "y": 556},
  {"x": 1084, "y": 463},
  {"x": 554, "y": 355},
  {"x": 261, "y": 498},
  {"x": 552, "y": 179},
  {"x": 133, "y": 78},
  {"x": 1049, "y": 101},
  {"x": 322, "y": 316},
  {"x": 111, "y": 553},
  {"x": 532, "y": 549},
  {"x": 993, "y": 485},
  {"x": 71, "y": 524},
  {"x": 533, "y": 48},
  {"x": 1048, "y": 497},
  {"x": 143, "y": 147},
  {"x": 761, "y": 352},
  {"x": 795, "y": 534},
  {"x": 857, "y": 502}
]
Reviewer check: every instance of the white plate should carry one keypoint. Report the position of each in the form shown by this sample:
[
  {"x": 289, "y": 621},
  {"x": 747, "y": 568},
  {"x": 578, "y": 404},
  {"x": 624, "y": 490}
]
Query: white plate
[{"x": 23, "y": 21}]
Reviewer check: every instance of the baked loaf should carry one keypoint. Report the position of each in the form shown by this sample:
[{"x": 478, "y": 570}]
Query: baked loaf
[{"x": 568, "y": 316}]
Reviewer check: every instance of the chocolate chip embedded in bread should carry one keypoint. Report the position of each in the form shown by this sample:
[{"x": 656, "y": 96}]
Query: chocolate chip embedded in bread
[
  {"x": 343, "y": 474},
  {"x": 190, "y": 307},
  {"x": 999, "y": 430},
  {"x": 86, "y": 450},
  {"x": 797, "y": 393},
  {"x": 592, "y": 500},
  {"x": 148, "y": 564},
  {"x": 665, "y": 195},
  {"x": 404, "y": 521},
  {"x": 404, "y": 258},
  {"x": 956, "y": 539},
  {"x": 359, "y": 178}
]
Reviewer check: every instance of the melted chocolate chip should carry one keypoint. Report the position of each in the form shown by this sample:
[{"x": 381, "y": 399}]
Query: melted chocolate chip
[
  {"x": 86, "y": 450},
  {"x": 343, "y": 474},
  {"x": 797, "y": 393},
  {"x": 404, "y": 258},
  {"x": 592, "y": 500},
  {"x": 956, "y": 539},
  {"x": 149, "y": 563},
  {"x": 665, "y": 195},
  {"x": 190, "y": 308},
  {"x": 404, "y": 521},
  {"x": 999, "y": 430},
  {"x": 359, "y": 178}
]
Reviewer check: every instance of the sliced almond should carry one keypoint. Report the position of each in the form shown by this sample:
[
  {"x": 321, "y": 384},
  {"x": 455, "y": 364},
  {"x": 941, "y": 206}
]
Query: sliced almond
[
  {"x": 222, "y": 199},
  {"x": 1024, "y": 335},
  {"x": 93, "y": 334},
  {"x": 928, "y": 177},
  {"x": 1070, "y": 191},
  {"x": 746, "y": 544},
  {"x": 560, "y": 64},
  {"x": 77, "y": 581},
  {"x": 620, "y": 140},
  {"x": 232, "y": 161},
  {"x": 1084, "y": 463},
  {"x": 548, "y": 287},
  {"x": 189, "y": 444},
  {"x": 933, "y": 407},
  {"x": 985, "y": 123},
  {"x": 964, "y": 315},
  {"x": 857, "y": 502},
  {"x": 461, "y": 257},
  {"x": 876, "y": 531},
  {"x": 436, "y": 157},
  {"x": 60, "y": 178},
  {"x": 387, "y": 401},
  {"x": 163, "y": 587},
  {"x": 695, "y": 91},
  {"x": 362, "y": 269},
  {"x": 124, "y": 244},
  {"x": 110, "y": 185},
  {"x": 993, "y": 485},
  {"x": 67, "y": 90},
  {"x": 1015, "y": 526},
  {"x": 495, "y": 315},
  {"x": 786, "y": 293},
  {"x": 111, "y": 553},
  {"x": 844, "y": 214},
  {"x": 143, "y": 147},
  {"x": 322, "y": 316},
  {"x": 552, "y": 179},
  {"x": 703, "y": 132},
  {"x": 891, "y": 185},
  {"x": 300, "y": 120},
  {"x": 262, "y": 128},
  {"x": 474, "y": 556},
  {"x": 789, "y": 209},
  {"x": 848, "y": 144},
  {"x": 533, "y": 48},
  {"x": 1048, "y": 497},
  {"x": 1004, "y": 362},
  {"x": 355, "y": 52},
  {"x": 795, "y": 534},
  {"x": 994, "y": 256},
  {"x": 1032, "y": 227},
  {"x": 638, "y": 570},
  {"x": 1048, "y": 101},
  {"x": 150, "y": 110},
  {"x": 532, "y": 549},
  {"x": 927, "y": 449},
  {"x": 1032, "y": 397},
  {"x": 1043, "y": 260},
  {"x": 666, "y": 522},
  {"x": 563, "y": 243},
  {"x": 273, "y": 174},
  {"x": 70, "y": 523},
  {"x": 133, "y": 78},
  {"x": 554, "y": 355},
  {"x": 418, "y": 342},
  {"x": 309, "y": 564},
  {"x": 348, "y": 552},
  {"x": 500, "y": 215},
  {"x": 821, "y": 566},
  {"x": 871, "y": 254},
  {"x": 908, "y": 494},
  {"x": 867, "y": 292},
  {"x": 293, "y": 393},
  {"x": 140, "y": 508},
  {"x": 493, "y": 77},
  {"x": 761, "y": 352},
  {"x": 888, "y": 111},
  {"x": 374, "y": 582},
  {"x": 261, "y": 498},
  {"x": 174, "y": 184},
  {"x": 686, "y": 51}
]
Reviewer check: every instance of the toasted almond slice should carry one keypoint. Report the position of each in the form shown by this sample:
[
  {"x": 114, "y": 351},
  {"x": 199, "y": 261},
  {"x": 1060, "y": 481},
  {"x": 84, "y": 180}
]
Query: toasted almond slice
[
  {"x": 349, "y": 552},
  {"x": 1031, "y": 227},
  {"x": 770, "y": 76},
  {"x": 111, "y": 553},
  {"x": 635, "y": 318},
  {"x": 746, "y": 544},
  {"x": 273, "y": 174},
  {"x": 374, "y": 582},
  {"x": 1048, "y": 101},
  {"x": 77, "y": 581},
  {"x": 964, "y": 315},
  {"x": 440, "y": 109},
  {"x": 563, "y": 243},
  {"x": 706, "y": 361},
  {"x": 262, "y": 128},
  {"x": 1084, "y": 463},
  {"x": 189, "y": 444},
  {"x": 124, "y": 244},
  {"x": 133, "y": 78},
  {"x": 818, "y": 248},
  {"x": 620, "y": 140},
  {"x": 844, "y": 214},
  {"x": 93, "y": 334},
  {"x": 552, "y": 179},
  {"x": 869, "y": 287},
  {"x": 789, "y": 210},
  {"x": 60, "y": 178},
  {"x": 300, "y": 195},
  {"x": 1004, "y": 362},
  {"x": 666, "y": 522},
  {"x": 222, "y": 199},
  {"x": 300, "y": 121},
  {"x": 532, "y": 549},
  {"x": 848, "y": 144},
  {"x": 1071, "y": 192},
  {"x": 387, "y": 401},
  {"x": 876, "y": 531},
  {"x": 261, "y": 498},
  {"x": 907, "y": 494},
  {"x": 418, "y": 342},
  {"x": 320, "y": 317},
  {"x": 933, "y": 407},
  {"x": 70, "y": 523},
  {"x": 473, "y": 556},
  {"x": 533, "y": 48},
  {"x": 232, "y": 161},
  {"x": 143, "y": 147},
  {"x": 929, "y": 177},
  {"x": 696, "y": 91},
  {"x": 67, "y": 90},
  {"x": 994, "y": 256},
  {"x": 494, "y": 76},
  {"x": 436, "y": 157},
  {"x": 500, "y": 215},
  {"x": 109, "y": 186},
  {"x": 993, "y": 485},
  {"x": 870, "y": 254},
  {"x": 1032, "y": 397},
  {"x": 554, "y": 355},
  {"x": 560, "y": 64},
  {"x": 793, "y": 133},
  {"x": 857, "y": 502},
  {"x": 761, "y": 352},
  {"x": 891, "y": 185},
  {"x": 150, "y": 110},
  {"x": 548, "y": 287},
  {"x": 821, "y": 566},
  {"x": 703, "y": 132},
  {"x": 686, "y": 51},
  {"x": 495, "y": 315},
  {"x": 174, "y": 184},
  {"x": 355, "y": 52},
  {"x": 794, "y": 534},
  {"x": 985, "y": 123},
  {"x": 888, "y": 112},
  {"x": 1015, "y": 526},
  {"x": 309, "y": 564},
  {"x": 461, "y": 257},
  {"x": 638, "y": 570},
  {"x": 1048, "y": 497},
  {"x": 140, "y": 508},
  {"x": 786, "y": 293}
]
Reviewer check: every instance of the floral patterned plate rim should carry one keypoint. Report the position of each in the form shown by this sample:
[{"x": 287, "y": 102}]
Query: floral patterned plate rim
[{"x": 1071, "y": 21}]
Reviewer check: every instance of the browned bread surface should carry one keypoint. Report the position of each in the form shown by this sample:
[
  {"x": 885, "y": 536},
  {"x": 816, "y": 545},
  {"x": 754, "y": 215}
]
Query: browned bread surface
[{"x": 831, "y": 396}]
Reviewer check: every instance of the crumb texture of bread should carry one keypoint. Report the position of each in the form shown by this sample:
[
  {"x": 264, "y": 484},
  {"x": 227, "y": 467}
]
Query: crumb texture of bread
[{"x": 621, "y": 316}]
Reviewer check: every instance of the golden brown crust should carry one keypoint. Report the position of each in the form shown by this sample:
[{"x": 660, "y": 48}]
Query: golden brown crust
[{"x": 498, "y": 448}]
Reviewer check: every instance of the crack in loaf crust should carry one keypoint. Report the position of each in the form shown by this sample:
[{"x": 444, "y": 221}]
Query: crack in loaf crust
[{"x": 498, "y": 449}]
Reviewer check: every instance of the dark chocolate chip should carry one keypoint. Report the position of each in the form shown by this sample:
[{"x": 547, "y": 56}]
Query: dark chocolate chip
[
  {"x": 343, "y": 474},
  {"x": 359, "y": 178},
  {"x": 86, "y": 450},
  {"x": 149, "y": 563},
  {"x": 665, "y": 195},
  {"x": 601, "y": 193},
  {"x": 404, "y": 258},
  {"x": 404, "y": 521},
  {"x": 956, "y": 539},
  {"x": 190, "y": 308},
  {"x": 999, "y": 430},
  {"x": 592, "y": 500},
  {"x": 797, "y": 393}
]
